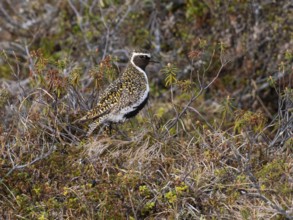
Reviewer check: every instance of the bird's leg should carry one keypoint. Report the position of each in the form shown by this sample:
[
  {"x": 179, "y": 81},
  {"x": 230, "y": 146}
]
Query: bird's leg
[{"x": 108, "y": 129}]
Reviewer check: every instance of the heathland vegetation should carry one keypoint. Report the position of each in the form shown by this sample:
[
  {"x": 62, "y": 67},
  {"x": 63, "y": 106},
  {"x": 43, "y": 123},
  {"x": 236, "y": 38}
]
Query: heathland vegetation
[{"x": 214, "y": 142}]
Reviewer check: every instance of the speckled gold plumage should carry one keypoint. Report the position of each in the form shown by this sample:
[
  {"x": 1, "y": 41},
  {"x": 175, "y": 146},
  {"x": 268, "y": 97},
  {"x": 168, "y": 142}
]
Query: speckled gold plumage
[{"x": 121, "y": 97}]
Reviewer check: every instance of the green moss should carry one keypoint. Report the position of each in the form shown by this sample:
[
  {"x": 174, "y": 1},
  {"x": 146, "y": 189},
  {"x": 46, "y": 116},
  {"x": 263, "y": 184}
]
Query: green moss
[
  {"x": 272, "y": 170},
  {"x": 181, "y": 188},
  {"x": 249, "y": 120},
  {"x": 245, "y": 213},
  {"x": 43, "y": 216},
  {"x": 4, "y": 97},
  {"x": 195, "y": 8},
  {"x": 171, "y": 197},
  {"x": 148, "y": 207},
  {"x": 5, "y": 71},
  {"x": 145, "y": 191}
]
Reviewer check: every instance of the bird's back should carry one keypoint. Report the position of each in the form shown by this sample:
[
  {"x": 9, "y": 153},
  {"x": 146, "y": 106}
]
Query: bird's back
[{"x": 107, "y": 102}]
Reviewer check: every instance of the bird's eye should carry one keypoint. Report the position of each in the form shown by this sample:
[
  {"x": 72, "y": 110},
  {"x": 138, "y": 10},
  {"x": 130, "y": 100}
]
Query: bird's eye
[{"x": 141, "y": 56}]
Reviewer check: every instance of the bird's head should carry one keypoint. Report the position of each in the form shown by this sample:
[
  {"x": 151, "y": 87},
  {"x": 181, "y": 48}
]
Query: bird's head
[{"x": 140, "y": 59}]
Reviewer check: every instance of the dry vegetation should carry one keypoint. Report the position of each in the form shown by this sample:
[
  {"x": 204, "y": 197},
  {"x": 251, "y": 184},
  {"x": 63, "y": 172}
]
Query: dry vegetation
[{"x": 214, "y": 142}]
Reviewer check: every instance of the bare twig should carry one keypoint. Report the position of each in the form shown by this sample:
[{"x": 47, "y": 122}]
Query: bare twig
[{"x": 174, "y": 121}]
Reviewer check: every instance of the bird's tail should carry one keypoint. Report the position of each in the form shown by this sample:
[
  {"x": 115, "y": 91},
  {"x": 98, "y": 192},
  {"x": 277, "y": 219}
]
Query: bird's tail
[{"x": 80, "y": 120}]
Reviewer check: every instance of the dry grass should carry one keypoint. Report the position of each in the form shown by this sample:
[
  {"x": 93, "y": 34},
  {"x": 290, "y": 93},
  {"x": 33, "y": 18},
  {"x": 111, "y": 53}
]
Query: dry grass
[{"x": 214, "y": 142}]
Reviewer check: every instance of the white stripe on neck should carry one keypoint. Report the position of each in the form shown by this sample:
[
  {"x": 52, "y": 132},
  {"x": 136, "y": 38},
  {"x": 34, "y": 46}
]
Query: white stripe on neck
[{"x": 138, "y": 68}]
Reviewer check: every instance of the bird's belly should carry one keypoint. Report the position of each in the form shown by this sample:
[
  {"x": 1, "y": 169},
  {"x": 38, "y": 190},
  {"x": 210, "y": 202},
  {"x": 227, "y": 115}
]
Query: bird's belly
[
  {"x": 134, "y": 110},
  {"x": 116, "y": 118},
  {"x": 128, "y": 112}
]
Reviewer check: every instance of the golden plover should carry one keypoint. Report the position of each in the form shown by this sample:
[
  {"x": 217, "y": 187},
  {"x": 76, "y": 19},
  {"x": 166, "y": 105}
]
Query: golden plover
[{"x": 125, "y": 97}]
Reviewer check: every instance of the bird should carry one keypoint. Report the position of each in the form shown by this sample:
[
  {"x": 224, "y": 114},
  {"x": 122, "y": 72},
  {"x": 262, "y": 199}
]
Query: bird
[{"x": 123, "y": 98}]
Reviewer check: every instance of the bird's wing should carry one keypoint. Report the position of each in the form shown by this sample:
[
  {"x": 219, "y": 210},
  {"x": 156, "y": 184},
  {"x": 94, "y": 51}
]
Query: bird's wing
[
  {"x": 106, "y": 103},
  {"x": 130, "y": 95}
]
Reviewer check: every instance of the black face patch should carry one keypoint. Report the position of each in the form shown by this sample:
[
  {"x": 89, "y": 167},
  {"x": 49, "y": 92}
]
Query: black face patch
[
  {"x": 141, "y": 61},
  {"x": 144, "y": 57}
]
